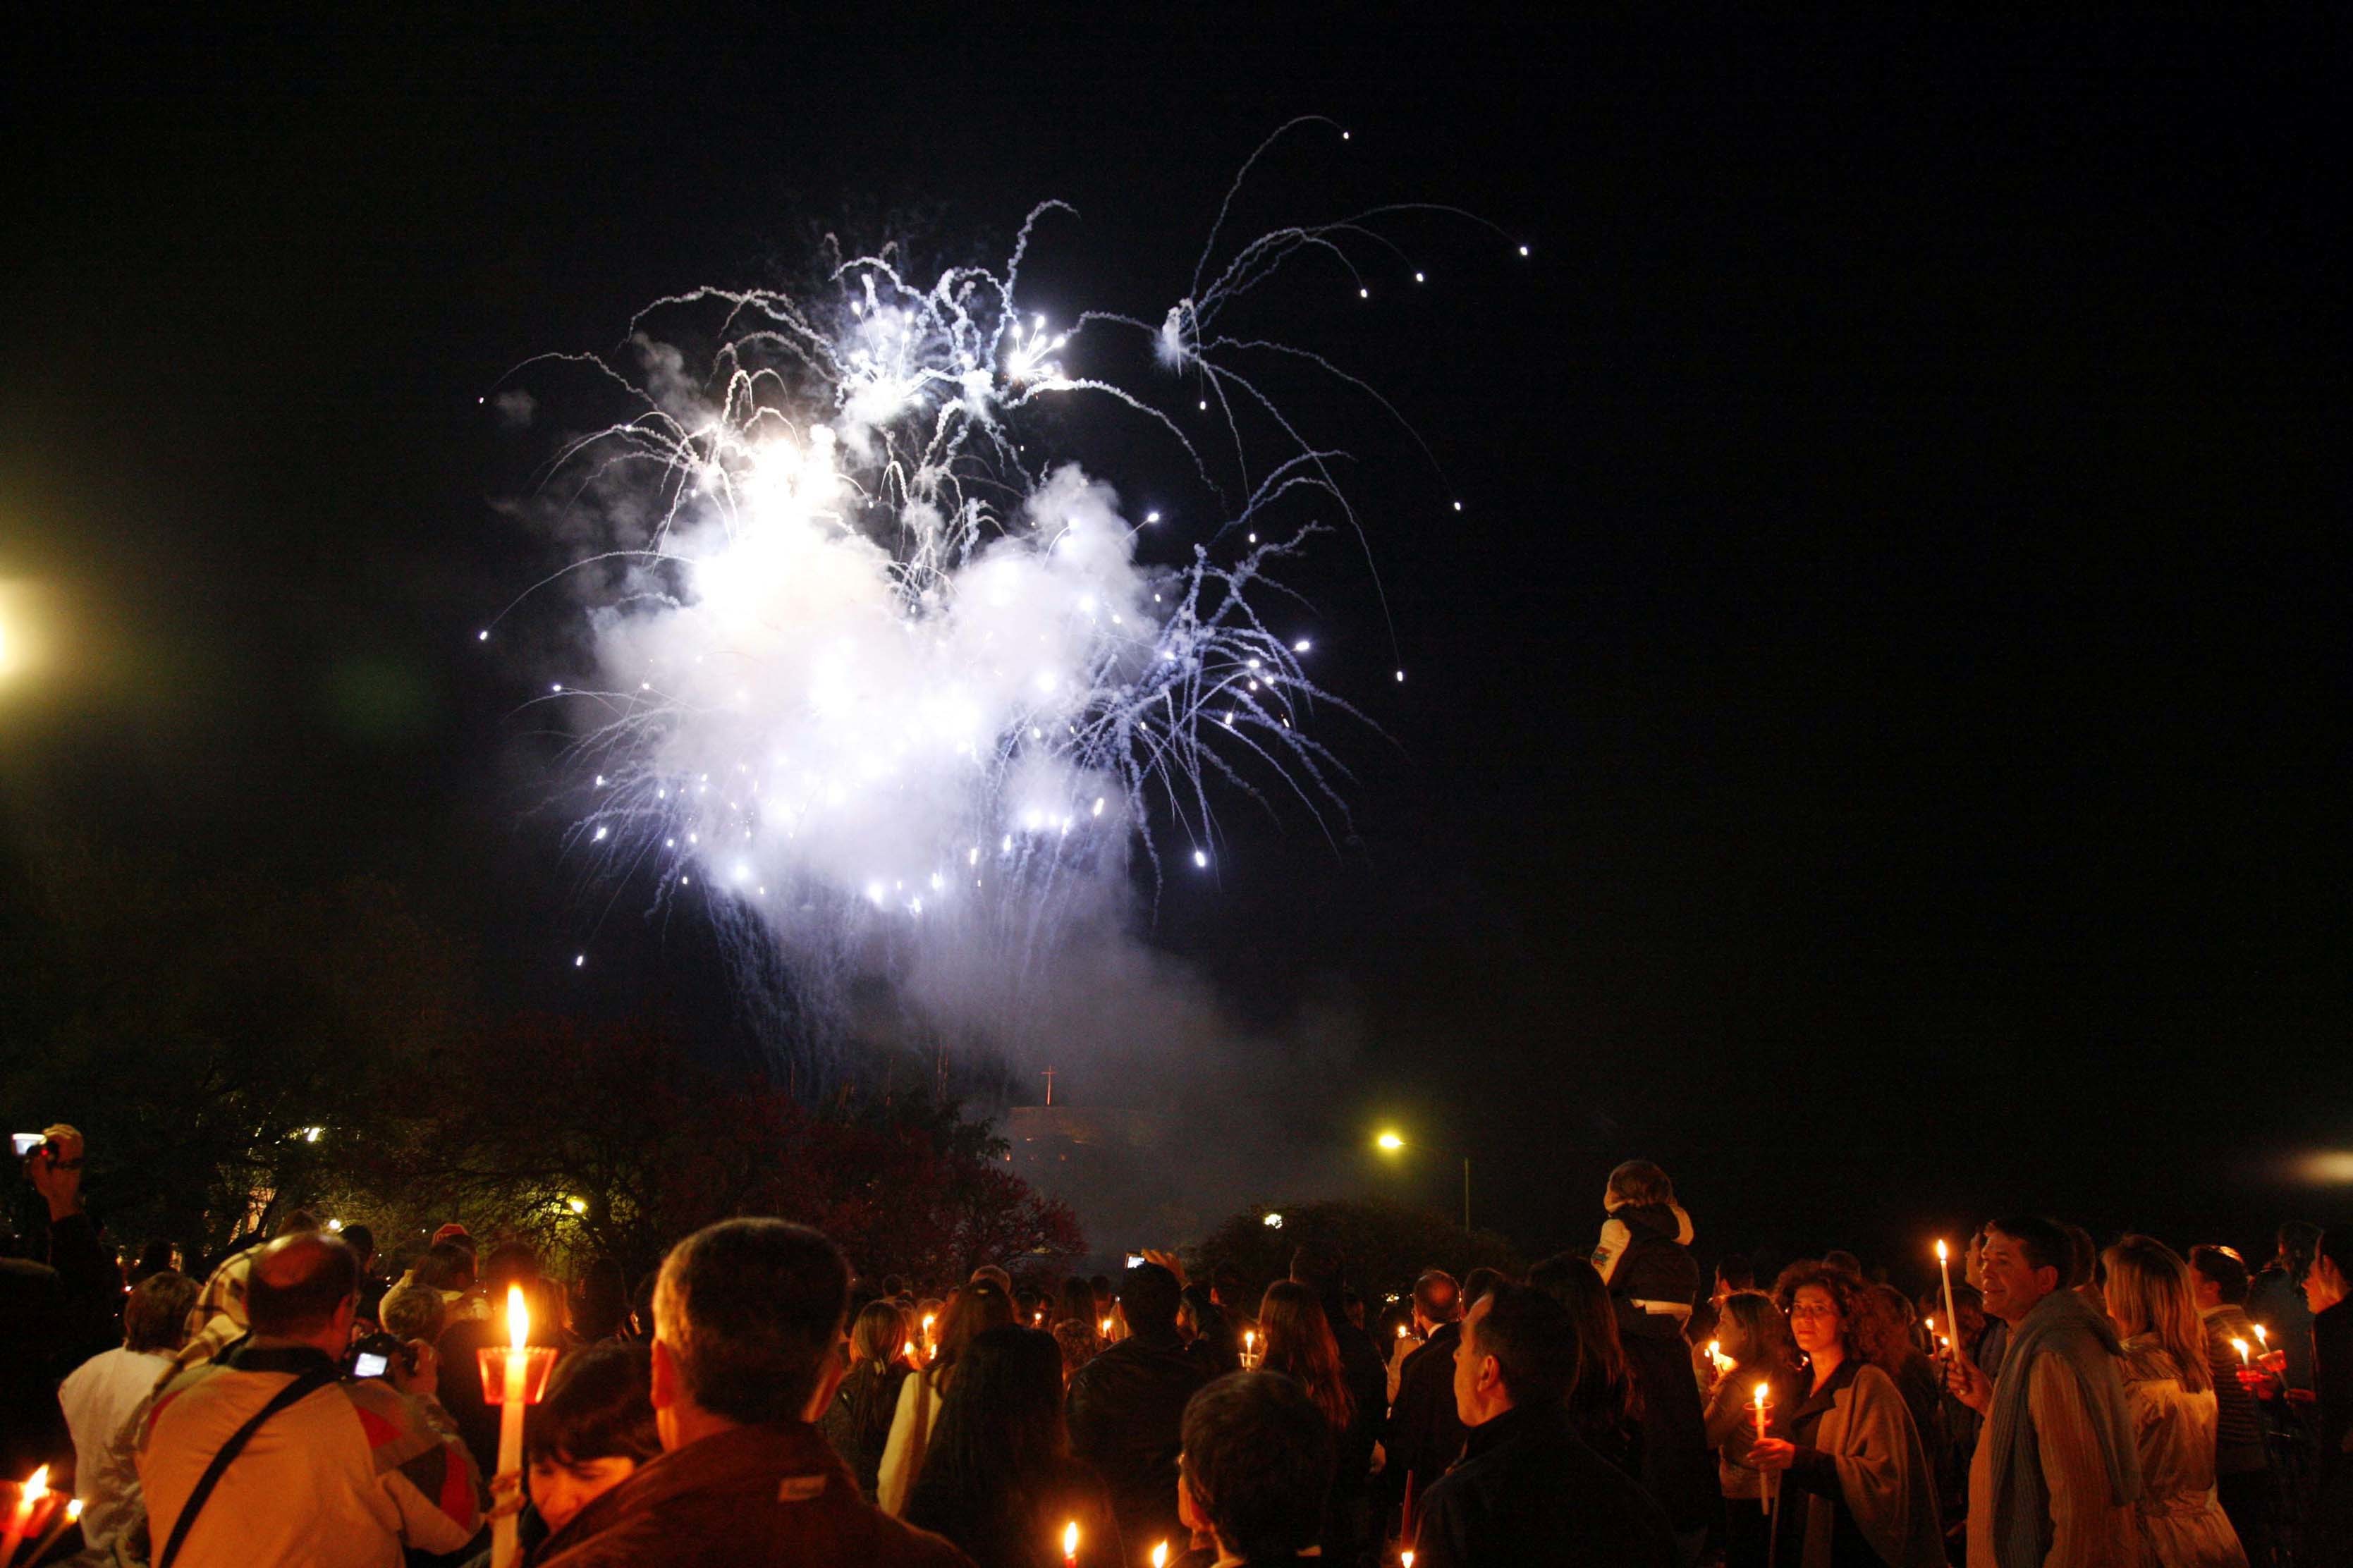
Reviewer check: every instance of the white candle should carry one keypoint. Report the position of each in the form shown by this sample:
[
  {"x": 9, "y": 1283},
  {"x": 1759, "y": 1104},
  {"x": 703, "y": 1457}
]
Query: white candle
[
  {"x": 1765, "y": 1497},
  {"x": 504, "y": 1548},
  {"x": 1944, "y": 1267}
]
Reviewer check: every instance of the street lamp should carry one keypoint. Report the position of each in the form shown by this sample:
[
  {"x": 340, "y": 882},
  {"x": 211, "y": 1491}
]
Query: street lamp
[{"x": 1391, "y": 1142}]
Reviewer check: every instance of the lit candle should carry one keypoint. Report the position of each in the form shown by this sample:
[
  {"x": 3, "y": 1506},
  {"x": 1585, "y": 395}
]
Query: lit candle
[
  {"x": 1070, "y": 1544},
  {"x": 1106, "y": 1328},
  {"x": 1160, "y": 1555},
  {"x": 2241, "y": 1346},
  {"x": 1945, "y": 1269},
  {"x": 908, "y": 1350},
  {"x": 1765, "y": 1496},
  {"x": 504, "y": 1547},
  {"x": 1406, "y": 1557},
  {"x": 1717, "y": 1359},
  {"x": 1249, "y": 1344},
  {"x": 28, "y": 1497}
]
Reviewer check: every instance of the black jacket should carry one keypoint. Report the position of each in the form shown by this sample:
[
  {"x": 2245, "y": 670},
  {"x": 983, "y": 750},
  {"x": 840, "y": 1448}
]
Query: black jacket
[
  {"x": 1126, "y": 1411},
  {"x": 1529, "y": 1494},
  {"x": 1424, "y": 1433}
]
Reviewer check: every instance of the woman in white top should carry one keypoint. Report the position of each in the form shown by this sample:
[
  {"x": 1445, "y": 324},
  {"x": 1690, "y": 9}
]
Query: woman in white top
[
  {"x": 101, "y": 1395},
  {"x": 974, "y": 1309}
]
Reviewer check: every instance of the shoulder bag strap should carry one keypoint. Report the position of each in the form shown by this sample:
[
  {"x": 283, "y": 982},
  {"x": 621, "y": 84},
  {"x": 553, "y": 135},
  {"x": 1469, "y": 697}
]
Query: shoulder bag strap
[{"x": 302, "y": 1388}]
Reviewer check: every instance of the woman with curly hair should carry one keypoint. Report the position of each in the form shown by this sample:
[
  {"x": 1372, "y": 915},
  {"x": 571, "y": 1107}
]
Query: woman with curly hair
[
  {"x": 1858, "y": 1492},
  {"x": 2169, "y": 1392}
]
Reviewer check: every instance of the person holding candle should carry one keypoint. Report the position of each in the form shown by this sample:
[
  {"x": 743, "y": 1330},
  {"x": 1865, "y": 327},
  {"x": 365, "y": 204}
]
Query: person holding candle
[
  {"x": 2057, "y": 1469},
  {"x": 2170, "y": 1389},
  {"x": 349, "y": 1472},
  {"x": 1754, "y": 1335},
  {"x": 1856, "y": 1492},
  {"x": 2218, "y": 1282},
  {"x": 593, "y": 1430},
  {"x": 998, "y": 1479},
  {"x": 969, "y": 1313}
]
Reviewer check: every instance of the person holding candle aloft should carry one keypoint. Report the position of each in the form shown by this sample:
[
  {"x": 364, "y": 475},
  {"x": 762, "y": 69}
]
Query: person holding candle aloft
[
  {"x": 2056, "y": 1471},
  {"x": 1753, "y": 1334},
  {"x": 1856, "y": 1492}
]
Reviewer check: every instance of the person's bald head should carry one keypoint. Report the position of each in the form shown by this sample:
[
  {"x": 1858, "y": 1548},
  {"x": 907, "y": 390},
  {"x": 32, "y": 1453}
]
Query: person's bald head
[{"x": 300, "y": 1286}]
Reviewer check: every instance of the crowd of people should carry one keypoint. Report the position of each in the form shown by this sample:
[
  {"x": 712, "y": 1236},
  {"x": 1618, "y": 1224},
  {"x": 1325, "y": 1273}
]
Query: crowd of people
[{"x": 755, "y": 1400}]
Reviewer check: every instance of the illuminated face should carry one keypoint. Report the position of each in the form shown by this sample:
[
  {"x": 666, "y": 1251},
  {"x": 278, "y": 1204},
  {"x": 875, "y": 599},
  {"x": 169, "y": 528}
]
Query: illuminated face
[
  {"x": 2012, "y": 1283},
  {"x": 1814, "y": 1320},
  {"x": 560, "y": 1489}
]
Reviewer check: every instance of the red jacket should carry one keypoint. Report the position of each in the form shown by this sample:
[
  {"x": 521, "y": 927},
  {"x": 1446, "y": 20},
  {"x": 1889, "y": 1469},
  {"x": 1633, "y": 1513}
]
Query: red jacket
[{"x": 751, "y": 1495}]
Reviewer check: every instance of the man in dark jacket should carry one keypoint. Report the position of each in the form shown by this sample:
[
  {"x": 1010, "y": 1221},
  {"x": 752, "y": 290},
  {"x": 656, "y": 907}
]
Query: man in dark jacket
[
  {"x": 747, "y": 1351},
  {"x": 1424, "y": 1434},
  {"x": 1126, "y": 1410},
  {"x": 1528, "y": 1492}
]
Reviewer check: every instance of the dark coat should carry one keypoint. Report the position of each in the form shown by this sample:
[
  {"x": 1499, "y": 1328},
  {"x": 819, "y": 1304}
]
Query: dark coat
[
  {"x": 1529, "y": 1494},
  {"x": 754, "y": 1495},
  {"x": 53, "y": 1317},
  {"x": 1424, "y": 1434},
  {"x": 1126, "y": 1412},
  {"x": 858, "y": 1422}
]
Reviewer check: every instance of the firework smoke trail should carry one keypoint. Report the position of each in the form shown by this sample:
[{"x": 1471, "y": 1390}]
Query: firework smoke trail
[{"x": 872, "y": 679}]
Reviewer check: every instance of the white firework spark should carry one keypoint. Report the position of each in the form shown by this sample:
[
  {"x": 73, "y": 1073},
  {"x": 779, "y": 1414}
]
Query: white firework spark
[{"x": 869, "y": 669}]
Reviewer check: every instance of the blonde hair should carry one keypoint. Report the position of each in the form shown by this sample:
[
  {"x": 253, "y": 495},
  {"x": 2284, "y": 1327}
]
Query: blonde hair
[{"x": 2148, "y": 1293}]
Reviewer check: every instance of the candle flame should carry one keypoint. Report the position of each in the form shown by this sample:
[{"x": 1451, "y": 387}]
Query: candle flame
[
  {"x": 73, "y": 1510},
  {"x": 518, "y": 1318},
  {"x": 2241, "y": 1346},
  {"x": 37, "y": 1487},
  {"x": 2262, "y": 1337},
  {"x": 1762, "y": 1390},
  {"x": 1406, "y": 1557},
  {"x": 1106, "y": 1325},
  {"x": 1401, "y": 1331},
  {"x": 927, "y": 1325},
  {"x": 1070, "y": 1539},
  {"x": 1160, "y": 1555},
  {"x": 1943, "y": 1252}
]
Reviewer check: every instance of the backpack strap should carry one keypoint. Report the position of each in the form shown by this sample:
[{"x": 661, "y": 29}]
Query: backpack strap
[{"x": 301, "y": 1388}]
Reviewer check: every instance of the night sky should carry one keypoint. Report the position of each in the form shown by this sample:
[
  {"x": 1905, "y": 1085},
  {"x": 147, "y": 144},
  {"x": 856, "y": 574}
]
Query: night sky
[{"x": 1875, "y": 739}]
